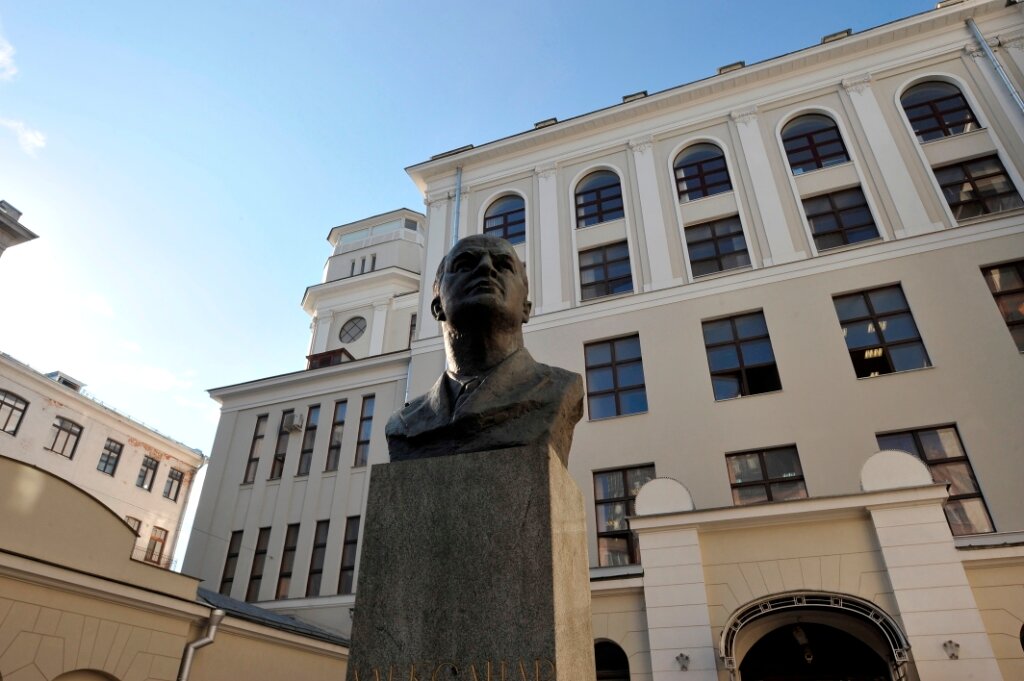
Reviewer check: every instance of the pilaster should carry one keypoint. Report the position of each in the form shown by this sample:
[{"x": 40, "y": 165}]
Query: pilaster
[
  {"x": 377, "y": 325},
  {"x": 551, "y": 295},
  {"x": 650, "y": 211},
  {"x": 437, "y": 245}
]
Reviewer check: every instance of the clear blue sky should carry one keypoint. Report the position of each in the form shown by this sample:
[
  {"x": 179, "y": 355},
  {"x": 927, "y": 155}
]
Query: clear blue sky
[{"x": 182, "y": 163}]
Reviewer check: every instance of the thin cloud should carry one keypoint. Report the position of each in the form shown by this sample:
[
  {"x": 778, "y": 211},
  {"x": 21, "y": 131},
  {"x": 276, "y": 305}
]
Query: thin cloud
[
  {"x": 30, "y": 140},
  {"x": 7, "y": 67}
]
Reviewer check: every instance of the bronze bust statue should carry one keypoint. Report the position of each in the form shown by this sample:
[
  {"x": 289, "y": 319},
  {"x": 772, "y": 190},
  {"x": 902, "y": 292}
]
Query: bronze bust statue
[{"x": 493, "y": 394}]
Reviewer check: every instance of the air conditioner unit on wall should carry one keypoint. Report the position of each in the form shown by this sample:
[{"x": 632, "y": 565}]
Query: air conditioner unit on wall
[{"x": 292, "y": 422}]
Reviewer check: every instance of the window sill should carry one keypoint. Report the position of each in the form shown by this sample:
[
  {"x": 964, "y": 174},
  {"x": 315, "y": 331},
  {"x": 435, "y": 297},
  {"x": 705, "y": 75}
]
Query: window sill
[
  {"x": 604, "y": 572},
  {"x": 610, "y": 296},
  {"x": 896, "y": 373},
  {"x": 740, "y": 397},
  {"x": 615, "y": 416},
  {"x": 803, "y": 173},
  {"x": 847, "y": 247},
  {"x": 1013, "y": 212},
  {"x": 690, "y": 202},
  {"x": 720, "y": 273},
  {"x": 600, "y": 224},
  {"x": 960, "y": 135}
]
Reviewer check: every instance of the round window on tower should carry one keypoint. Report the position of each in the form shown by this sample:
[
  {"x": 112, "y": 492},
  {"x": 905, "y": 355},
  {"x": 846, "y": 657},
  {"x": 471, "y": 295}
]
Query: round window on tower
[{"x": 352, "y": 330}]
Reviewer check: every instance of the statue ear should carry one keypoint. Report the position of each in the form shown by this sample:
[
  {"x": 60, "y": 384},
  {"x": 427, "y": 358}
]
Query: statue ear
[
  {"x": 435, "y": 309},
  {"x": 527, "y": 309}
]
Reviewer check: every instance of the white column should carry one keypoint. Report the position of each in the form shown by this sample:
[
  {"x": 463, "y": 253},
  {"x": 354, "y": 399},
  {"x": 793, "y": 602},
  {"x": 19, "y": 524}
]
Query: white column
[
  {"x": 766, "y": 192},
  {"x": 931, "y": 589},
  {"x": 551, "y": 256},
  {"x": 436, "y": 247},
  {"x": 909, "y": 207},
  {"x": 321, "y": 332},
  {"x": 652, "y": 217},
  {"x": 377, "y": 325}
]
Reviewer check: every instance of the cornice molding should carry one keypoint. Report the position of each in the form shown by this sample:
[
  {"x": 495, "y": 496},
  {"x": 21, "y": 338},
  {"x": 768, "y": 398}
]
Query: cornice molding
[
  {"x": 744, "y": 115},
  {"x": 857, "y": 83},
  {"x": 641, "y": 145}
]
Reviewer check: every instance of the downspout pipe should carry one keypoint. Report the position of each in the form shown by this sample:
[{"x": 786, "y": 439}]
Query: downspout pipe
[
  {"x": 991, "y": 56},
  {"x": 458, "y": 205},
  {"x": 190, "y": 650}
]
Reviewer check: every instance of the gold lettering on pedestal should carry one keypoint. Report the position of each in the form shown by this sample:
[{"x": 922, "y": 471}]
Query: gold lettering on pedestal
[
  {"x": 539, "y": 669},
  {"x": 522, "y": 671},
  {"x": 413, "y": 672},
  {"x": 451, "y": 666}
]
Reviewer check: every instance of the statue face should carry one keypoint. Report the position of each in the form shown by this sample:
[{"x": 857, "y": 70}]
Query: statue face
[{"x": 483, "y": 284}]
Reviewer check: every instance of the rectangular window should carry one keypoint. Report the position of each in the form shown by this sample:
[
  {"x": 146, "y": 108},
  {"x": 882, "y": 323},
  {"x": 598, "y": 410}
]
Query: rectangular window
[
  {"x": 614, "y": 493},
  {"x": 12, "y": 409},
  {"x": 740, "y": 356},
  {"x": 172, "y": 488},
  {"x": 615, "y": 378},
  {"x": 157, "y": 542},
  {"x": 605, "y": 270},
  {"x": 840, "y": 218},
  {"x": 880, "y": 332},
  {"x": 110, "y": 457},
  {"x": 716, "y": 246},
  {"x": 308, "y": 438},
  {"x": 337, "y": 432},
  {"x": 316, "y": 560},
  {"x": 284, "y": 577},
  {"x": 977, "y": 187},
  {"x": 942, "y": 451},
  {"x": 348, "y": 556},
  {"x": 135, "y": 523},
  {"x": 259, "y": 559},
  {"x": 254, "y": 449},
  {"x": 365, "y": 427},
  {"x": 766, "y": 475},
  {"x": 234, "y": 548},
  {"x": 147, "y": 473},
  {"x": 1007, "y": 285},
  {"x": 65, "y": 437},
  {"x": 412, "y": 330},
  {"x": 281, "y": 448}
]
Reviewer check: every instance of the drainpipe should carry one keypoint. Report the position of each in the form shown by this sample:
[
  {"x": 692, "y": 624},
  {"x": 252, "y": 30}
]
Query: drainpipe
[
  {"x": 458, "y": 204},
  {"x": 190, "y": 650},
  {"x": 995, "y": 63}
]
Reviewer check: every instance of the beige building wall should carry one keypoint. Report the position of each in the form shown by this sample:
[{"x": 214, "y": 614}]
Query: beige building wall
[{"x": 998, "y": 587}]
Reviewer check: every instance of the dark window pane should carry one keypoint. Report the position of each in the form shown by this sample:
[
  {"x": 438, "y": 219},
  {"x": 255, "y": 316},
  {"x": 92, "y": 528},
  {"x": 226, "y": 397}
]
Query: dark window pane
[{"x": 910, "y": 356}]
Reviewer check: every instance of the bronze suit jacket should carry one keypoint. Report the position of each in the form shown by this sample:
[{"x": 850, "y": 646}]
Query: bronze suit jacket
[{"x": 521, "y": 402}]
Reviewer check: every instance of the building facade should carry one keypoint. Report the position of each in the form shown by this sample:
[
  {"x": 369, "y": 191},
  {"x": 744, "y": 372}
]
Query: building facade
[
  {"x": 12, "y": 232},
  {"x": 141, "y": 475},
  {"x": 796, "y": 293}
]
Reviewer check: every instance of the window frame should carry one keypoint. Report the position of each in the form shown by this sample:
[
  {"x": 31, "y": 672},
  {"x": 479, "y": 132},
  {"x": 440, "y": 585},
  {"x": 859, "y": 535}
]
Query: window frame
[
  {"x": 874, "y": 318},
  {"x": 601, "y": 214},
  {"x": 12, "y": 404},
  {"x": 227, "y": 578},
  {"x": 147, "y": 473},
  {"x": 258, "y": 434},
  {"x": 173, "y": 484},
  {"x": 110, "y": 457},
  {"x": 632, "y": 544},
  {"x": 932, "y": 465},
  {"x": 766, "y": 482},
  {"x": 614, "y": 365},
  {"x": 743, "y": 368},
  {"x": 280, "y": 448},
  {"x": 817, "y": 160},
  {"x": 308, "y": 440},
  {"x": 284, "y": 574},
  {"x": 348, "y": 561},
  {"x": 977, "y": 199},
  {"x": 362, "y": 454},
  {"x": 715, "y": 240},
  {"x": 837, "y": 212},
  {"x": 318, "y": 554},
  {"x": 938, "y": 115},
  {"x": 605, "y": 284},
  {"x": 72, "y": 433},
  {"x": 259, "y": 564},
  {"x": 505, "y": 223},
  {"x": 1012, "y": 325},
  {"x": 156, "y": 546},
  {"x": 703, "y": 188},
  {"x": 337, "y": 429}
]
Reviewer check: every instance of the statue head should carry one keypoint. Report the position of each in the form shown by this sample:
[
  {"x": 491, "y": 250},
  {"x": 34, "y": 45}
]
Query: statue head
[{"x": 481, "y": 283}]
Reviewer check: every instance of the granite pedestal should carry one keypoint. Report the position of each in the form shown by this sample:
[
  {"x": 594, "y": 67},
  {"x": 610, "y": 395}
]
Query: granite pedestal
[{"x": 473, "y": 567}]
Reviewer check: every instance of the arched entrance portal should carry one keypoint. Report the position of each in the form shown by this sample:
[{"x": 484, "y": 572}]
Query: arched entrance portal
[
  {"x": 612, "y": 663},
  {"x": 815, "y": 635},
  {"x": 812, "y": 652}
]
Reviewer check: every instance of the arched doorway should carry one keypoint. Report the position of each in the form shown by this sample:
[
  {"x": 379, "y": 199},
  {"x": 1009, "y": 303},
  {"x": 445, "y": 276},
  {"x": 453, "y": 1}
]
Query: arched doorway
[
  {"x": 611, "y": 662},
  {"x": 812, "y": 652},
  {"x": 813, "y": 635}
]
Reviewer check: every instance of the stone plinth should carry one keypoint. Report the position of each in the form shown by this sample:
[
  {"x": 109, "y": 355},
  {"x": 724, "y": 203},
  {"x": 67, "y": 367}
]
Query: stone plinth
[{"x": 474, "y": 567}]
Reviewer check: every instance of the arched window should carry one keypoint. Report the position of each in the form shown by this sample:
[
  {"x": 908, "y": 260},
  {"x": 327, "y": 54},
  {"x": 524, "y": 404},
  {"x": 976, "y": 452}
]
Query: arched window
[
  {"x": 598, "y": 198},
  {"x": 700, "y": 172},
  {"x": 812, "y": 141},
  {"x": 937, "y": 109},
  {"x": 12, "y": 409},
  {"x": 612, "y": 663},
  {"x": 506, "y": 218}
]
